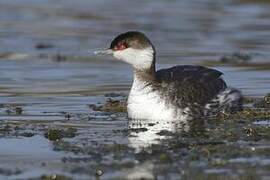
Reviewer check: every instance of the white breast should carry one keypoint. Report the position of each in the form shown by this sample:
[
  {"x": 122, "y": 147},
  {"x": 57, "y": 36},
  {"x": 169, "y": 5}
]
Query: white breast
[{"x": 144, "y": 103}]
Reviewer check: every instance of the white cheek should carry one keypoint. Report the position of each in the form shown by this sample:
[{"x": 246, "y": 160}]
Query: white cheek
[
  {"x": 136, "y": 57},
  {"x": 127, "y": 55},
  {"x": 121, "y": 55}
]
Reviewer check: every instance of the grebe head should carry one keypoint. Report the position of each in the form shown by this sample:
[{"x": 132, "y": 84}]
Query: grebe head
[{"x": 133, "y": 48}]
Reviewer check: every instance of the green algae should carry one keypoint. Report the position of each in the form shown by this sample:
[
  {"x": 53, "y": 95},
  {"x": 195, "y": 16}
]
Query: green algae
[
  {"x": 263, "y": 103},
  {"x": 111, "y": 105},
  {"x": 58, "y": 134},
  {"x": 11, "y": 109},
  {"x": 250, "y": 113},
  {"x": 164, "y": 158}
]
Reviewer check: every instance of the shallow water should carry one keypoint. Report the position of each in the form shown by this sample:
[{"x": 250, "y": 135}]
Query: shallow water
[{"x": 57, "y": 83}]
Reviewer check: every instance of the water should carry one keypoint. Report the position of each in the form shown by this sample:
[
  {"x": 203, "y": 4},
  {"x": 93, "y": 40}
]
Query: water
[{"x": 66, "y": 77}]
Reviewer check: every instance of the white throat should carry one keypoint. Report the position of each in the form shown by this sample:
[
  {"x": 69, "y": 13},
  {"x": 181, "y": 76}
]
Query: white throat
[
  {"x": 146, "y": 103},
  {"x": 138, "y": 58}
]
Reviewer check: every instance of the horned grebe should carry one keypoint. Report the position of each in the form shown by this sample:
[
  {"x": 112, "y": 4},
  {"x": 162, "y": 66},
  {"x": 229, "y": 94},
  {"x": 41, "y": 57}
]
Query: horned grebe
[{"x": 179, "y": 92}]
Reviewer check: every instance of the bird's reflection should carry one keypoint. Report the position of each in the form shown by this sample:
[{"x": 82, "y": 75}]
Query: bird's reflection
[{"x": 144, "y": 133}]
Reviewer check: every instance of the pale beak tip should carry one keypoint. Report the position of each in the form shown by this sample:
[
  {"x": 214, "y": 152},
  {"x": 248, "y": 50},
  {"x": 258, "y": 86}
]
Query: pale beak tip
[
  {"x": 103, "y": 52},
  {"x": 96, "y": 52}
]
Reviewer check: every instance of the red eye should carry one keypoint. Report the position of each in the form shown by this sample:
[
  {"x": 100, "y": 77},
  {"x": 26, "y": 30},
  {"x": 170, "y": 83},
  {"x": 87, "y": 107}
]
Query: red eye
[{"x": 120, "y": 46}]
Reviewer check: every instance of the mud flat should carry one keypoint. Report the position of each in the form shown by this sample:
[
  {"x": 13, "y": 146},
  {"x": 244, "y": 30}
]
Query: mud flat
[{"x": 107, "y": 145}]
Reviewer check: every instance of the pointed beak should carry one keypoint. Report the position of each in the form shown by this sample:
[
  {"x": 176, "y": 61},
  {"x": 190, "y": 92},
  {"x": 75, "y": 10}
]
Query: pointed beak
[{"x": 104, "y": 52}]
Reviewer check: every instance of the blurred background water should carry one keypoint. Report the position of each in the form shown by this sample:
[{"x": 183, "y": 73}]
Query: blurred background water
[{"x": 46, "y": 46}]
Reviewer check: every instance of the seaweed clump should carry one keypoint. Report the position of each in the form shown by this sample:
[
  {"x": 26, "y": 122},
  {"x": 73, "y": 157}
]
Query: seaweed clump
[
  {"x": 111, "y": 105},
  {"x": 58, "y": 134},
  {"x": 264, "y": 103}
]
